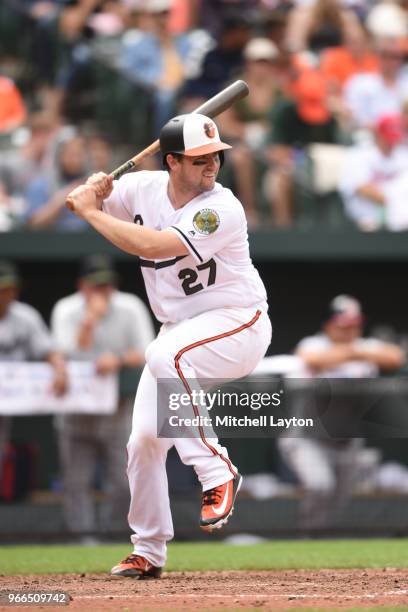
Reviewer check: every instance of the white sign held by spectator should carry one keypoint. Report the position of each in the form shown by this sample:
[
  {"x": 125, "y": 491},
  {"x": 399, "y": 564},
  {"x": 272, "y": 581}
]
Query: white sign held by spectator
[{"x": 26, "y": 388}]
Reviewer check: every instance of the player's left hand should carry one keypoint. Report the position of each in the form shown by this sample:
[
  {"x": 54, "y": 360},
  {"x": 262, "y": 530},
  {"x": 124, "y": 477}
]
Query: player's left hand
[
  {"x": 82, "y": 200},
  {"x": 107, "y": 363}
]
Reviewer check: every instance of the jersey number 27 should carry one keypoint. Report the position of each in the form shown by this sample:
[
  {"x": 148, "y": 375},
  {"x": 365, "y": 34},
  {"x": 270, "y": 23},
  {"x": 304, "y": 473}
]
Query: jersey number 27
[{"x": 190, "y": 276}]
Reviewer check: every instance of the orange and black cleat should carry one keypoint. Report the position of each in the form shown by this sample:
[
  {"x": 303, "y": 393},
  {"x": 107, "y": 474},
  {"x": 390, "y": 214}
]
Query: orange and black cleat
[
  {"x": 218, "y": 504},
  {"x": 136, "y": 567}
]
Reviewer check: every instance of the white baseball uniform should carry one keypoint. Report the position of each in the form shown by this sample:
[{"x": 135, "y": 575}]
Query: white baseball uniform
[{"x": 212, "y": 304}]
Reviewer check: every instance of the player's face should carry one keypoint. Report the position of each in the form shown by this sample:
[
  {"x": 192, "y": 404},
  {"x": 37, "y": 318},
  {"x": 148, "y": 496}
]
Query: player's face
[{"x": 199, "y": 173}]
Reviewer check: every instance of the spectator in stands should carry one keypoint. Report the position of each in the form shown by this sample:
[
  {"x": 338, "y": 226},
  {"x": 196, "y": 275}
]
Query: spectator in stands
[
  {"x": 326, "y": 468},
  {"x": 295, "y": 125},
  {"x": 370, "y": 95},
  {"x": 221, "y": 64},
  {"x": 44, "y": 16},
  {"x": 33, "y": 157},
  {"x": 111, "y": 329},
  {"x": 183, "y": 16},
  {"x": 11, "y": 206},
  {"x": 46, "y": 194},
  {"x": 80, "y": 17},
  {"x": 246, "y": 123},
  {"x": 274, "y": 25},
  {"x": 23, "y": 337},
  {"x": 320, "y": 25},
  {"x": 81, "y": 22},
  {"x": 12, "y": 107},
  {"x": 369, "y": 169},
  {"x": 355, "y": 56},
  {"x": 213, "y": 14},
  {"x": 161, "y": 60}
]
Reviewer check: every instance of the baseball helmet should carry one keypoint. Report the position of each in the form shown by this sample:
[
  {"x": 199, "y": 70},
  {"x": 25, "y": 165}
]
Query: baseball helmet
[{"x": 191, "y": 134}]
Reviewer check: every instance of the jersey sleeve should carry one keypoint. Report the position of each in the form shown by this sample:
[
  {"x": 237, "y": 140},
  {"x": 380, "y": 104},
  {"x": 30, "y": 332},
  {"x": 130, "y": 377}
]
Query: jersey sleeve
[
  {"x": 207, "y": 230},
  {"x": 119, "y": 203}
]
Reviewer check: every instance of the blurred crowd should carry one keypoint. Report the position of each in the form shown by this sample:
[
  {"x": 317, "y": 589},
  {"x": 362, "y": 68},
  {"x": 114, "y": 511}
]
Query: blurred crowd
[{"x": 84, "y": 84}]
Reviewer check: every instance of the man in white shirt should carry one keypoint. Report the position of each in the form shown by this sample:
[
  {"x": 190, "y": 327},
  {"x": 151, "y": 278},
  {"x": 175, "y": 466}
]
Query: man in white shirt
[
  {"x": 191, "y": 236},
  {"x": 326, "y": 468},
  {"x": 370, "y": 170},
  {"x": 111, "y": 329},
  {"x": 370, "y": 95}
]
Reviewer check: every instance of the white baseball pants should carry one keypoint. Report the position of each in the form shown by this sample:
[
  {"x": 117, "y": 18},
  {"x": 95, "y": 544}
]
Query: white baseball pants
[{"x": 226, "y": 343}]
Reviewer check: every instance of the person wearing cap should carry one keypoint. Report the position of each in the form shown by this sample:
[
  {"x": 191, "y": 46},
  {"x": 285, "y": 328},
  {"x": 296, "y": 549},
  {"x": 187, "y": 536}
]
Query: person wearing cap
[
  {"x": 191, "y": 236},
  {"x": 98, "y": 323},
  {"x": 371, "y": 170},
  {"x": 246, "y": 123},
  {"x": 326, "y": 468},
  {"x": 161, "y": 60},
  {"x": 24, "y": 337},
  {"x": 296, "y": 124}
]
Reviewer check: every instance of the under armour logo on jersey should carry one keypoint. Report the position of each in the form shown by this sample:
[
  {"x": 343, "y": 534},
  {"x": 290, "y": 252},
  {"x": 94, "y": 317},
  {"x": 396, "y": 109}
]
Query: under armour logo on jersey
[{"x": 209, "y": 130}]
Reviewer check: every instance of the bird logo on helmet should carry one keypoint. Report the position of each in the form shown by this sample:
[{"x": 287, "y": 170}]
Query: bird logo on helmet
[
  {"x": 209, "y": 130},
  {"x": 189, "y": 135}
]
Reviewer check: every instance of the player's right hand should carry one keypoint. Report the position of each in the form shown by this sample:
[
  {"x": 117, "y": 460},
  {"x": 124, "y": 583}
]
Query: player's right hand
[
  {"x": 102, "y": 183},
  {"x": 82, "y": 199}
]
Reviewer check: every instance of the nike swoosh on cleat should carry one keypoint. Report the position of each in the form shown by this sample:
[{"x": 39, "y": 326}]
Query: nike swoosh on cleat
[{"x": 223, "y": 506}]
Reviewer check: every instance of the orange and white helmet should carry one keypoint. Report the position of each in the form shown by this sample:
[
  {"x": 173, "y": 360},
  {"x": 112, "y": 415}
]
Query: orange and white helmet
[{"x": 193, "y": 134}]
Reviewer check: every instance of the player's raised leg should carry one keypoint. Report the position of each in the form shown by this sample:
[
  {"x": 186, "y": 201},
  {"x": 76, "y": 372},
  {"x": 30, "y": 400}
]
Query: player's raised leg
[{"x": 223, "y": 344}]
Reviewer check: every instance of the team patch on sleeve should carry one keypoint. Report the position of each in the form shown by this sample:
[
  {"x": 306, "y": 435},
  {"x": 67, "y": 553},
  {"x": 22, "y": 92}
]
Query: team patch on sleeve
[{"x": 206, "y": 221}]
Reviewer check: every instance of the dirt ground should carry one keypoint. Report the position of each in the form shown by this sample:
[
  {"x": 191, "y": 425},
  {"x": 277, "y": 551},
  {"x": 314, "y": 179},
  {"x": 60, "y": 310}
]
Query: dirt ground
[{"x": 269, "y": 590}]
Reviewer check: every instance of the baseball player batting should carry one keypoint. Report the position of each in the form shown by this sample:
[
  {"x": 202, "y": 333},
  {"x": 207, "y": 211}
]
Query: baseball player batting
[{"x": 190, "y": 233}]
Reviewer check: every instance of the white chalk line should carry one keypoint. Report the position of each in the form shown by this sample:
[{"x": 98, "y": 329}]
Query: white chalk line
[{"x": 394, "y": 593}]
